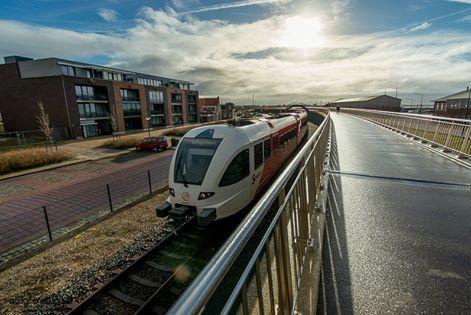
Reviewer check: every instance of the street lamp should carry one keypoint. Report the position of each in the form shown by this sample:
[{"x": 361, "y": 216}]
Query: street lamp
[
  {"x": 421, "y": 101},
  {"x": 148, "y": 124},
  {"x": 467, "y": 105}
]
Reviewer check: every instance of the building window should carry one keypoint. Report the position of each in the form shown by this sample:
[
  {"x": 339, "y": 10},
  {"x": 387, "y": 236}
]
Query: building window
[
  {"x": 92, "y": 110},
  {"x": 85, "y": 92},
  {"x": 68, "y": 70},
  {"x": 132, "y": 108},
  {"x": 177, "y": 98},
  {"x": 156, "y": 97},
  {"x": 129, "y": 95}
]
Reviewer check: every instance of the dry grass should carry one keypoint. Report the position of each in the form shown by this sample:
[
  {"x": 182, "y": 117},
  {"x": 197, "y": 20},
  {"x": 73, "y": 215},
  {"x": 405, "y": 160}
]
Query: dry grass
[
  {"x": 179, "y": 131},
  {"x": 27, "y": 158},
  {"x": 122, "y": 143},
  {"x": 24, "y": 286}
]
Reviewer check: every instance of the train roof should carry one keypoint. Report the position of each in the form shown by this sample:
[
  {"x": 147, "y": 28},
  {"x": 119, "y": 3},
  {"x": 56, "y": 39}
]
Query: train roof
[{"x": 245, "y": 130}]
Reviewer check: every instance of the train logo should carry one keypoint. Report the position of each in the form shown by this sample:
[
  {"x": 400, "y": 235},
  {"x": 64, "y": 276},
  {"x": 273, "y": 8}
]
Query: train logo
[{"x": 186, "y": 196}]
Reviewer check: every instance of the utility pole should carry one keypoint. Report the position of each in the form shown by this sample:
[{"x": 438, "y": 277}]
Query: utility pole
[{"x": 396, "y": 90}]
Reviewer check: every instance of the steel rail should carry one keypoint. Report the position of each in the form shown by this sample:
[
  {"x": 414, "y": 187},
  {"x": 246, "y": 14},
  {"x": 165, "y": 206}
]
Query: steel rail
[{"x": 195, "y": 297}]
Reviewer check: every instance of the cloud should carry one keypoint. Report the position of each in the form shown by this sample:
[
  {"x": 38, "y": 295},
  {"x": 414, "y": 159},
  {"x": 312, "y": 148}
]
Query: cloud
[
  {"x": 466, "y": 19},
  {"x": 236, "y": 60},
  {"x": 460, "y": 1},
  {"x": 180, "y": 4},
  {"x": 420, "y": 27},
  {"x": 237, "y": 4},
  {"x": 109, "y": 15},
  {"x": 341, "y": 9}
]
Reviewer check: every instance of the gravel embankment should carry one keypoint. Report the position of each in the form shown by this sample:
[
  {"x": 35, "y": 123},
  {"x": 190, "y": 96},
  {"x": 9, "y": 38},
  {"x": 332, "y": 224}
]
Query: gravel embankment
[{"x": 67, "y": 272}]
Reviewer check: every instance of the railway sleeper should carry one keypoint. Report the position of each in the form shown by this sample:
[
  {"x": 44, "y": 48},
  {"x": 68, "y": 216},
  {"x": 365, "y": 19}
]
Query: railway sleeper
[
  {"x": 126, "y": 298},
  {"x": 145, "y": 282}
]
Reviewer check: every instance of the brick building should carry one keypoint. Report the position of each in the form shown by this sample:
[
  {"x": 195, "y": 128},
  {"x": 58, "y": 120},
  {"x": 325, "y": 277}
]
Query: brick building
[
  {"x": 81, "y": 98},
  {"x": 456, "y": 105},
  {"x": 210, "y": 108}
]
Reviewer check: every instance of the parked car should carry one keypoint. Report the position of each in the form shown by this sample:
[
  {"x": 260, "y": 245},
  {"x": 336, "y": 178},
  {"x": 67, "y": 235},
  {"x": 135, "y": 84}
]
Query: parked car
[{"x": 153, "y": 143}]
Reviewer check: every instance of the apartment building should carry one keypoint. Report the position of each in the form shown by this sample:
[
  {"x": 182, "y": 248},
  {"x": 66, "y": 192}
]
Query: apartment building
[{"x": 84, "y": 99}]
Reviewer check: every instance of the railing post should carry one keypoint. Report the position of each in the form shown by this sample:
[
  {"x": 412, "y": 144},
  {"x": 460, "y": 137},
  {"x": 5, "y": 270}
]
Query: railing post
[
  {"x": 47, "y": 223},
  {"x": 150, "y": 182},
  {"x": 109, "y": 197},
  {"x": 436, "y": 130},
  {"x": 465, "y": 141},
  {"x": 283, "y": 261}
]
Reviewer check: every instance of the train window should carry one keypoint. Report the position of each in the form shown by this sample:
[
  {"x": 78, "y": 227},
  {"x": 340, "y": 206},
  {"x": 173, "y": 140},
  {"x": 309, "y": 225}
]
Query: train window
[
  {"x": 193, "y": 158},
  {"x": 258, "y": 155},
  {"x": 266, "y": 149},
  {"x": 237, "y": 170}
]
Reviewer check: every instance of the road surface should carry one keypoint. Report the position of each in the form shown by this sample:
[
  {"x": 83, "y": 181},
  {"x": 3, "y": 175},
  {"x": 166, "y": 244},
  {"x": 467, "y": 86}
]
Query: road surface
[{"x": 398, "y": 232}]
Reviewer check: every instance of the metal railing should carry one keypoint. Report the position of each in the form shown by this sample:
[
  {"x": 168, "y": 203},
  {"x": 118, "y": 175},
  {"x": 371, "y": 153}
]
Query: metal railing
[
  {"x": 448, "y": 133},
  {"x": 269, "y": 281}
]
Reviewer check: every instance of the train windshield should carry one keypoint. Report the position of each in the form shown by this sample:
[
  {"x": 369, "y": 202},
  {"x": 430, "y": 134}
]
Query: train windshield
[{"x": 193, "y": 158}]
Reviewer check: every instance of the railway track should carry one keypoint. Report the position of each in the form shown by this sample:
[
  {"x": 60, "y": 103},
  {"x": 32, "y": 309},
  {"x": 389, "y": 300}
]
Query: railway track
[{"x": 156, "y": 279}]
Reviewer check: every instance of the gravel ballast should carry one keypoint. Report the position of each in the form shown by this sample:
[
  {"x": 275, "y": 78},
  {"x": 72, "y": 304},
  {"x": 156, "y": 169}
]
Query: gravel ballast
[{"x": 68, "y": 272}]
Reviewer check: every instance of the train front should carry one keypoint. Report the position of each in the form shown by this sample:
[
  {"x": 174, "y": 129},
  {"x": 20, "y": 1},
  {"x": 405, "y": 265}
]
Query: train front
[{"x": 196, "y": 172}]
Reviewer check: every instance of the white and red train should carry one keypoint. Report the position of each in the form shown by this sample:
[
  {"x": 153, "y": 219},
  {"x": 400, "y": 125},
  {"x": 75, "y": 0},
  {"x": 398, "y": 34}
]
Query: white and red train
[{"x": 218, "y": 170}]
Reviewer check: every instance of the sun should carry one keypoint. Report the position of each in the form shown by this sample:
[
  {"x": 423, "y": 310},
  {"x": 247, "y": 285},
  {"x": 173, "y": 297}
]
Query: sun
[{"x": 302, "y": 32}]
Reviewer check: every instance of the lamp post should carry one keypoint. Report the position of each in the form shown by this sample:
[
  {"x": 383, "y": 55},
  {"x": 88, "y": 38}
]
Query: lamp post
[
  {"x": 467, "y": 105},
  {"x": 421, "y": 101},
  {"x": 148, "y": 124}
]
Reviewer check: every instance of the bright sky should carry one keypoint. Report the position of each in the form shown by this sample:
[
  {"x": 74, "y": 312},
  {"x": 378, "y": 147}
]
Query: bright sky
[{"x": 284, "y": 51}]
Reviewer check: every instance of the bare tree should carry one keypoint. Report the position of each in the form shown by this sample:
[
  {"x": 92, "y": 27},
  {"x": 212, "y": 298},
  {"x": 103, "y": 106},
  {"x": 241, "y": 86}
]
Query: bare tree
[
  {"x": 45, "y": 125},
  {"x": 114, "y": 125}
]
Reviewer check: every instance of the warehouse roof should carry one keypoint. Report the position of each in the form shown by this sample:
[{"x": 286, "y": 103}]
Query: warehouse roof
[
  {"x": 459, "y": 95},
  {"x": 359, "y": 99}
]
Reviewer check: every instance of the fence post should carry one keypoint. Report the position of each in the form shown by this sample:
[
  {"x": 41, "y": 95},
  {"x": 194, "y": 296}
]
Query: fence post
[
  {"x": 150, "y": 183},
  {"x": 109, "y": 197},
  {"x": 47, "y": 223}
]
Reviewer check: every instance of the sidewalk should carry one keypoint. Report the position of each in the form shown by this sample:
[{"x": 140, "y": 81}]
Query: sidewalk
[{"x": 92, "y": 150}]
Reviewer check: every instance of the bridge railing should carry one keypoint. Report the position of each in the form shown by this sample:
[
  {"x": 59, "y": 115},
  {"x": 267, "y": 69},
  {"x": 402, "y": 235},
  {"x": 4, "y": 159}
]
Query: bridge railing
[
  {"x": 275, "y": 254},
  {"x": 449, "y": 133}
]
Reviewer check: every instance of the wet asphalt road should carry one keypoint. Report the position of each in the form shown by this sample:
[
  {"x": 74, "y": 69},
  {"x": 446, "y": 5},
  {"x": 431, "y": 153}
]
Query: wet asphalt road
[{"x": 398, "y": 233}]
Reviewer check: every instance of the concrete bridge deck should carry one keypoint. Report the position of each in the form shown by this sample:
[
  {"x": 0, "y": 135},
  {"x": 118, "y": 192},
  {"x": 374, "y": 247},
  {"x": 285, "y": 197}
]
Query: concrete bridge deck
[{"x": 398, "y": 231}]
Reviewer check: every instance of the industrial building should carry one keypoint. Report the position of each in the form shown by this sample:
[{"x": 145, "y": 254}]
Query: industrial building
[
  {"x": 379, "y": 102},
  {"x": 455, "y": 105},
  {"x": 84, "y": 99}
]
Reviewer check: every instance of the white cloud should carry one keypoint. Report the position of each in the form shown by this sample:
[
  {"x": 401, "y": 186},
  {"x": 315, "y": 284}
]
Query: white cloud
[
  {"x": 460, "y": 1},
  {"x": 237, "y": 4},
  {"x": 340, "y": 9},
  {"x": 420, "y": 27},
  {"x": 109, "y": 15},
  {"x": 466, "y": 19},
  {"x": 234, "y": 60},
  {"x": 180, "y": 4}
]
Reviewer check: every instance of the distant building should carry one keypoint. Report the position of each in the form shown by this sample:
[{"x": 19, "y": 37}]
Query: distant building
[
  {"x": 379, "y": 102},
  {"x": 81, "y": 98},
  {"x": 210, "y": 109},
  {"x": 227, "y": 110},
  {"x": 455, "y": 105}
]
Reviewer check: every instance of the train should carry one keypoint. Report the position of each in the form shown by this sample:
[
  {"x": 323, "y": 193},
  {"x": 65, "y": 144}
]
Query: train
[{"x": 217, "y": 170}]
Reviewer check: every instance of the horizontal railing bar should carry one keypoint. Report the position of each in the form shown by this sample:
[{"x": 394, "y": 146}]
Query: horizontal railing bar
[{"x": 199, "y": 292}]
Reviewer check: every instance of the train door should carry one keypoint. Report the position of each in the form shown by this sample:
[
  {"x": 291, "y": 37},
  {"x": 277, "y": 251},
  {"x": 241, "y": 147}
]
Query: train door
[{"x": 258, "y": 166}]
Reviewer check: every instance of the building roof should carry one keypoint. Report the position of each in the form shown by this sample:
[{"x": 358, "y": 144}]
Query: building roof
[
  {"x": 98, "y": 67},
  {"x": 360, "y": 98},
  {"x": 209, "y": 101},
  {"x": 459, "y": 95}
]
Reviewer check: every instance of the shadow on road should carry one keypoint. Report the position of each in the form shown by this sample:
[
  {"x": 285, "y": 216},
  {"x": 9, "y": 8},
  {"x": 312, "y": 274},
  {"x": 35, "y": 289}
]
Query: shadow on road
[{"x": 335, "y": 295}]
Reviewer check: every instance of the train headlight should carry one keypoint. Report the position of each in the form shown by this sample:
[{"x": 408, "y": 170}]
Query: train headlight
[
  {"x": 172, "y": 192},
  {"x": 205, "y": 195}
]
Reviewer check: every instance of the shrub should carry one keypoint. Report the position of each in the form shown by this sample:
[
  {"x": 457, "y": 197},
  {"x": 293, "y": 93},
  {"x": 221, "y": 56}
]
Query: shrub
[
  {"x": 122, "y": 143},
  {"x": 27, "y": 158},
  {"x": 179, "y": 131}
]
